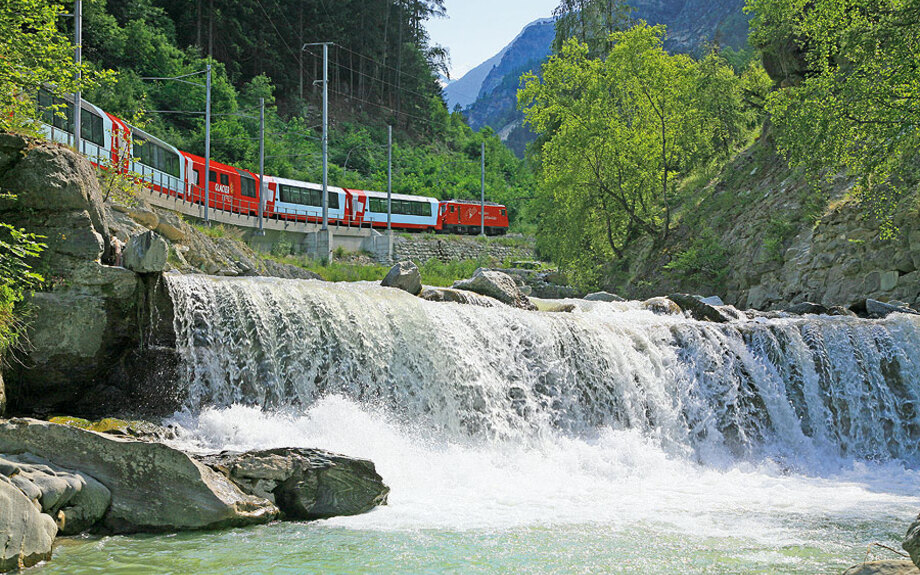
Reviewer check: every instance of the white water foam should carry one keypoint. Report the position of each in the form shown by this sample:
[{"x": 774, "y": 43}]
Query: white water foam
[{"x": 617, "y": 480}]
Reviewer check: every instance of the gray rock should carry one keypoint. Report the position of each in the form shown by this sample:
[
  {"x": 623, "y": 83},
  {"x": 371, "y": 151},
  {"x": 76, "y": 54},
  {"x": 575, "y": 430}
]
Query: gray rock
[
  {"x": 807, "y": 308},
  {"x": 699, "y": 310},
  {"x": 877, "y": 309},
  {"x": 77, "y": 500},
  {"x": 553, "y": 306},
  {"x": 404, "y": 276},
  {"x": 457, "y": 296},
  {"x": 712, "y": 300},
  {"x": 838, "y": 310},
  {"x": 892, "y": 567},
  {"x": 147, "y": 218},
  {"x": 662, "y": 306},
  {"x": 146, "y": 253},
  {"x": 172, "y": 227},
  {"x": 154, "y": 487},
  {"x": 603, "y": 296},
  {"x": 911, "y": 542},
  {"x": 306, "y": 483},
  {"x": 27, "y": 533},
  {"x": 497, "y": 285}
]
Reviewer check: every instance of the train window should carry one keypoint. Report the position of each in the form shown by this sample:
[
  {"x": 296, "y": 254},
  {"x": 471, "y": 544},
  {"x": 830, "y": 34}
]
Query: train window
[
  {"x": 247, "y": 187},
  {"x": 212, "y": 176},
  {"x": 307, "y": 197},
  {"x": 502, "y": 212},
  {"x": 224, "y": 180},
  {"x": 196, "y": 177},
  {"x": 401, "y": 207},
  {"x": 156, "y": 156},
  {"x": 55, "y": 111},
  {"x": 452, "y": 209},
  {"x": 91, "y": 128}
]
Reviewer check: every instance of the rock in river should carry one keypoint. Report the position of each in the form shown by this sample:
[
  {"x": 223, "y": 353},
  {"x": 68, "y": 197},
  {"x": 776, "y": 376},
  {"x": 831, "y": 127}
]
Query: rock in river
[
  {"x": 25, "y": 532},
  {"x": 306, "y": 483},
  {"x": 405, "y": 276},
  {"x": 498, "y": 285},
  {"x": 153, "y": 486},
  {"x": 884, "y": 568}
]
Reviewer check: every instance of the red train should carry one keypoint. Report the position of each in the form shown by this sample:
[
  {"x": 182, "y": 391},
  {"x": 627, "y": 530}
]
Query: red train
[{"x": 108, "y": 140}]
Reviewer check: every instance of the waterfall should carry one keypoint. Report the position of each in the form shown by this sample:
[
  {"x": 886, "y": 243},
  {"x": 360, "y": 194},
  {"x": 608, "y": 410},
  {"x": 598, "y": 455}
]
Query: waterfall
[{"x": 791, "y": 389}]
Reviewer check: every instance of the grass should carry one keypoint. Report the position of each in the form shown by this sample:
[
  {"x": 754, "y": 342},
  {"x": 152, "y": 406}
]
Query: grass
[
  {"x": 434, "y": 272},
  {"x": 220, "y": 231}
]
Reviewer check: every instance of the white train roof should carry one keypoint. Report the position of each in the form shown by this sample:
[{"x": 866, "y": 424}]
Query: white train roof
[
  {"x": 372, "y": 194},
  {"x": 299, "y": 184}
]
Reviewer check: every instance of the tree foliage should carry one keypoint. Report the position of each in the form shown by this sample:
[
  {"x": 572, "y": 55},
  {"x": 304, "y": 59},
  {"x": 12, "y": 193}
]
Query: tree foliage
[
  {"x": 853, "y": 103},
  {"x": 34, "y": 51},
  {"x": 591, "y": 22},
  {"x": 619, "y": 133}
]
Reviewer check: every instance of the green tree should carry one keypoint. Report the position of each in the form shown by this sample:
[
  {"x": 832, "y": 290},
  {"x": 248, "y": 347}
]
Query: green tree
[
  {"x": 590, "y": 22},
  {"x": 619, "y": 134},
  {"x": 849, "y": 93},
  {"x": 34, "y": 53}
]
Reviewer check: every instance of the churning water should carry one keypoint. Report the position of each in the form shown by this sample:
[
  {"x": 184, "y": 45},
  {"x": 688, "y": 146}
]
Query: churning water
[{"x": 609, "y": 440}]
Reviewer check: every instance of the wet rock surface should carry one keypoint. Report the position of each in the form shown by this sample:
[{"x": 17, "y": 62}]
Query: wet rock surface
[
  {"x": 27, "y": 534},
  {"x": 404, "y": 276},
  {"x": 496, "y": 285},
  {"x": 884, "y": 568},
  {"x": 305, "y": 483},
  {"x": 153, "y": 487}
]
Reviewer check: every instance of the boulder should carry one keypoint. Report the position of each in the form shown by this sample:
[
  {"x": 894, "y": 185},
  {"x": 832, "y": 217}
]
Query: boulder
[
  {"x": 911, "y": 542},
  {"x": 807, "y": 308},
  {"x": 153, "y": 487},
  {"x": 147, "y": 218},
  {"x": 877, "y": 309},
  {"x": 553, "y": 306},
  {"x": 405, "y": 276},
  {"x": 172, "y": 227},
  {"x": 699, "y": 310},
  {"x": 146, "y": 253},
  {"x": 497, "y": 285},
  {"x": 305, "y": 483},
  {"x": 27, "y": 534},
  {"x": 456, "y": 296},
  {"x": 662, "y": 306},
  {"x": 839, "y": 310},
  {"x": 77, "y": 500},
  {"x": 603, "y": 296},
  {"x": 891, "y": 567},
  {"x": 713, "y": 300}
]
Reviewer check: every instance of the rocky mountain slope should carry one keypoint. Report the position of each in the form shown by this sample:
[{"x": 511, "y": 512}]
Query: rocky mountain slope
[
  {"x": 692, "y": 24},
  {"x": 761, "y": 236}
]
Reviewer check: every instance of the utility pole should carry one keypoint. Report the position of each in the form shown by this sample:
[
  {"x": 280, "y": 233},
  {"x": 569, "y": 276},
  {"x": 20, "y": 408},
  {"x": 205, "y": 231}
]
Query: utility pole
[
  {"x": 207, "y": 146},
  {"x": 325, "y": 136},
  {"x": 483, "y": 189},
  {"x": 262, "y": 186},
  {"x": 390, "y": 193},
  {"x": 325, "y": 83},
  {"x": 78, "y": 58}
]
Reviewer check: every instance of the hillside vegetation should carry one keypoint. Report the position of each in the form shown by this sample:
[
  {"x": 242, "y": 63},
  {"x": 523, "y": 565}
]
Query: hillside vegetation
[{"x": 657, "y": 174}]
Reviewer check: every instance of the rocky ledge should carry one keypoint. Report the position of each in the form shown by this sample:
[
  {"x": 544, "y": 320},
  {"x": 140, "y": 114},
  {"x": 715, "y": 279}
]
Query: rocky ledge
[{"x": 57, "y": 479}]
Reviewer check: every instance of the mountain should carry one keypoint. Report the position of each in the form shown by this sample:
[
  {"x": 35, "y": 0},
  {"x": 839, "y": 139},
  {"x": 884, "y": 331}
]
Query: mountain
[
  {"x": 465, "y": 91},
  {"x": 692, "y": 24},
  {"x": 483, "y": 78}
]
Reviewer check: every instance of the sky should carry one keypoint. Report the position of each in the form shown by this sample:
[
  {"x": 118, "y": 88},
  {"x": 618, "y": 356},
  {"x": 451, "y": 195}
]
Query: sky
[{"x": 475, "y": 30}]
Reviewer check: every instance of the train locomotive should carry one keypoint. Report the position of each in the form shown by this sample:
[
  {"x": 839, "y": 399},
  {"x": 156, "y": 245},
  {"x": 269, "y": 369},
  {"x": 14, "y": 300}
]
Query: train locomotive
[{"x": 110, "y": 141}]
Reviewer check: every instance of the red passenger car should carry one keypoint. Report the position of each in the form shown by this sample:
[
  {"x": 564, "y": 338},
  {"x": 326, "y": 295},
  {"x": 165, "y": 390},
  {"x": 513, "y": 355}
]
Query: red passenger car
[{"x": 231, "y": 189}]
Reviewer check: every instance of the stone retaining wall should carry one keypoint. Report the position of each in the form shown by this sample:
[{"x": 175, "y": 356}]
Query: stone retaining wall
[{"x": 426, "y": 247}]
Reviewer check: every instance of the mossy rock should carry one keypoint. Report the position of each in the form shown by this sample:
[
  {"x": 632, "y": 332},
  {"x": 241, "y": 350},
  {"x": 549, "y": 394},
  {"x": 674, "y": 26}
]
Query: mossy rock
[{"x": 113, "y": 426}]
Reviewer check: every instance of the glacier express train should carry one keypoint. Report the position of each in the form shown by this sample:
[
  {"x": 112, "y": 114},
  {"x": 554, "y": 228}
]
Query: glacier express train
[{"x": 110, "y": 141}]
